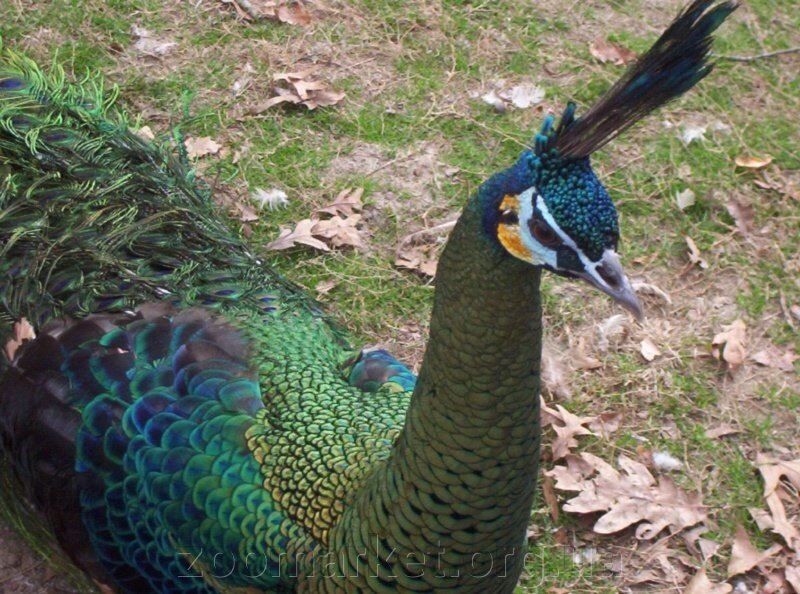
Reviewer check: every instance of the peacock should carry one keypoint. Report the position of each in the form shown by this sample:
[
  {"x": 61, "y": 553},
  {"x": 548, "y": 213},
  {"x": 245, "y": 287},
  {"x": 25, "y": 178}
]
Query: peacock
[{"x": 187, "y": 420}]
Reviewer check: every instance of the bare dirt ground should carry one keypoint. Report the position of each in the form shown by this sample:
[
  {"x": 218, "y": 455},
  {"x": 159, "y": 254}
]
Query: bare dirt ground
[{"x": 24, "y": 572}]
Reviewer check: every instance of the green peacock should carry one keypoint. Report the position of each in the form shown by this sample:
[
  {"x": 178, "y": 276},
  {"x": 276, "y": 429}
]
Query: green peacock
[{"x": 187, "y": 420}]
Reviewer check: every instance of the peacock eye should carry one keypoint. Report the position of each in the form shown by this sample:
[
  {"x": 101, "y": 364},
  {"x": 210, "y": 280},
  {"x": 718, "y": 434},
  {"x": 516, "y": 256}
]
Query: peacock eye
[
  {"x": 508, "y": 217},
  {"x": 544, "y": 234}
]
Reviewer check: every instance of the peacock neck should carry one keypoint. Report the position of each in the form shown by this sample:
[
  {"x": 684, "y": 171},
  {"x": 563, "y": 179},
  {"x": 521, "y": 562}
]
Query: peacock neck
[{"x": 451, "y": 506}]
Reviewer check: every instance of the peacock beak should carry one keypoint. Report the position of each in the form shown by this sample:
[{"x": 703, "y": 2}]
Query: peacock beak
[{"x": 608, "y": 276}]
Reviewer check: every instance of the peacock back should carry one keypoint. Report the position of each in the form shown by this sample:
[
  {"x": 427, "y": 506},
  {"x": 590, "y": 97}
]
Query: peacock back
[{"x": 205, "y": 419}]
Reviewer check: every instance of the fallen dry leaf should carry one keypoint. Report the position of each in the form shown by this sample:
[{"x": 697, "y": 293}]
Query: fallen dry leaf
[
  {"x": 708, "y": 547},
  {"x": 200, "y": 147},
  {"x": 793, "y": 577},
  {"x": 606, "y": 51},
  {"x": 145, "y": 133},
  {"x": 419, "y": 258},
  {"x": 697, "y": 545},
  {"x": 700, "y": 584},
  {"x": 300, "y": 235},
  {"x": 762, "y": 518},
  {"x": 694, "y": 254},
  {"x": 548, "y": 415},
  {"x": 294, "y": 13},
  {"x": 581, "y": 360},
  {"x": 419, "y": 251},
  {"x": 245, "y": 212},
  {"x": 606, "y": 423},
  {"x": 627, "y": 498},
  {"x": 298, "y": 89},
  {"x": 649, "y": 350},
  {"x": 550, "y": 498},
  {"x": 347, "y": 202},
  {"x": 775, "y": 583},
  {"x": 660, "y": 564},
  {"x": 721, "y": 431},
  {"x": 325, "y": 287},
  {"x": 575, "y": 475},
  {"x": 340, "y": 231},
  {"x": 728, "y": 345},
  {"x": 663, "y": 571},
  {"x": 20, "y": 332},
  {"x": 774, "y": 357},
  {"x": 650, "y": 289},
  {"x": 752, "y": 162},
  {"x": 692, "y": 538},
  {"x": 150, "y": 44},
  {"x": 685, "y": 199},
  {"x": 291, "y": 12},
  {"x": 772, "y": 472},
  {"x": 745, "y": 556},
  {"x": 743, "y": 214},
  {"x": 565, "y": 434}
]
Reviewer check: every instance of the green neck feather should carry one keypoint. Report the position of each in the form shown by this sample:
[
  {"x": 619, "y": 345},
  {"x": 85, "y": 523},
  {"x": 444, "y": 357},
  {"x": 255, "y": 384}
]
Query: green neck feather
[{"x": 451, "y": 505}]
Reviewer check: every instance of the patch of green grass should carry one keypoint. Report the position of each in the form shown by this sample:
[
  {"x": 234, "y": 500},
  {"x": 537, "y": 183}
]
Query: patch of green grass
[
  {"x": 783, "y": 397},
  {"x": 549, "y": 564},
  {"x": 737, "y": 489}
]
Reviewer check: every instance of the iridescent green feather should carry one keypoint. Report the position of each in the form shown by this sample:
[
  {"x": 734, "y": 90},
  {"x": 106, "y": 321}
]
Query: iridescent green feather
[{"x": 98, "y": 220}]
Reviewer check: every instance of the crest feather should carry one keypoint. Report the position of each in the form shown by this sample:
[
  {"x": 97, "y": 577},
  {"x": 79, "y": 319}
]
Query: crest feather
[{"x": 675, "y": 63}]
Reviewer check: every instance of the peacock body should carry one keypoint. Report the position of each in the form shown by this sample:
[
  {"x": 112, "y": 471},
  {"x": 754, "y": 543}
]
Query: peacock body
[{"x": 187, "y": 420}]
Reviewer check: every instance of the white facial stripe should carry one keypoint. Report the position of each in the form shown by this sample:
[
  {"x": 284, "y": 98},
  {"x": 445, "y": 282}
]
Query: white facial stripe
[
  {"x": 565, "y": 239},
  {"x": 541, "y": 254},
  {"x": 588, "y": 265}
]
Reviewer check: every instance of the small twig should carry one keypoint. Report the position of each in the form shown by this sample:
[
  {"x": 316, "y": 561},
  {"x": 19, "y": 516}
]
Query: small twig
[
  {"x": 432, "y": 230},
  {"x": 383, "y": 166},
  {"x": 251, "y": 10},
  {"x": 791, "y": 50}
]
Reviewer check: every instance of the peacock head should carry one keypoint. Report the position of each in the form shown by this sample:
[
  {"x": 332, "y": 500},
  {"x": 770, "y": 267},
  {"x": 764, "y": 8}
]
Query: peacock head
[
  {"x": 550, "y": 209},
  {"x": 560, "y": 217}
]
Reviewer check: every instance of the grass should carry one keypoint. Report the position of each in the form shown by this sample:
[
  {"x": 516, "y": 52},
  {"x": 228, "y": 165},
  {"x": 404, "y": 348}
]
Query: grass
[{"x": 412, "y": 71}]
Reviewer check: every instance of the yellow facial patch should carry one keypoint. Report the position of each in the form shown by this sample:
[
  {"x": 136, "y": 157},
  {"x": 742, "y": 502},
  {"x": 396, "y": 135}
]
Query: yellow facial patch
[
  {"x": 510, "y": 202},
  {"x": 508, "y": 234},
  {"x": 509, "y": 237}
]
